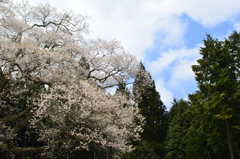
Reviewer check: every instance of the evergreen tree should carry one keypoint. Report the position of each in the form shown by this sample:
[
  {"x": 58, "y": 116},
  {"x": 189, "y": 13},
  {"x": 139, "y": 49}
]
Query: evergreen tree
[
  {"x": 152, "y": 108},
  {"x": 218, "y": 106},
  {"x": 123, "y": 90},
  {"x": 144, "y": 150},
  {"x": 194, "y": 144},
  {"x": 178, "y": 127}
]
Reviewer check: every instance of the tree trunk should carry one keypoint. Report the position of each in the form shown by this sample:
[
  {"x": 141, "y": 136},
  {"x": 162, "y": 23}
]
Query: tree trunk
[{"x": 229, "y": 140}]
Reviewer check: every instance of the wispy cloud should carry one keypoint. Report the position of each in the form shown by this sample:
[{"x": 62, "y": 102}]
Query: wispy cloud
[
  {"x": 166, "y": 95},
  {"x": 208, "y": 13},
  {"x": 176, "y": 57}
]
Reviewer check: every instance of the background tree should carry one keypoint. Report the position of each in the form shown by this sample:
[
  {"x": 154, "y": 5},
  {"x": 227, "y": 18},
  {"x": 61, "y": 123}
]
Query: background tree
[
  {"x": 152, "y": 108},
  {"x": 179, "y": 123},
  {"x": 144, "y": 150},
  {"x": 217, "y": 74}
]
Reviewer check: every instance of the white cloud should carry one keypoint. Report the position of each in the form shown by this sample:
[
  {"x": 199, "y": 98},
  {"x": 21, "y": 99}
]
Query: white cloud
[
  {"x": 182, "y": 72},
  {"x": 166, "y": 95},
  {"x": 237, "y": 26},
  {"x": 172, "y": 56},
  {"x": 209, "y": 13}
]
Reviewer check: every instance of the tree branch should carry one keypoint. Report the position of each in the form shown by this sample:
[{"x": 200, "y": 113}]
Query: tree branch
[
  {"x": 9, "y": 148},
  {"x": 17, "y": 116},
  {"x": 21, "y": 125}
]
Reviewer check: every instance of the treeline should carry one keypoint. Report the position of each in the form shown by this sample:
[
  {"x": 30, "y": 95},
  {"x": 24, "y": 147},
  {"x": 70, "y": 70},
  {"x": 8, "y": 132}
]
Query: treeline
[
  {"x": 55, "y": 103},
  {"x": 207, "y": 125}
]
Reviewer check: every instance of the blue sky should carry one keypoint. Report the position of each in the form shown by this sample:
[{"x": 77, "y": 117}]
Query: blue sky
[{"x": 164, "y": 34}]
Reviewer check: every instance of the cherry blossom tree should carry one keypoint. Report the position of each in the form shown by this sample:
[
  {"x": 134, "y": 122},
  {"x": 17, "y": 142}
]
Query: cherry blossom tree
[
  {"x": 53, "y": 80},
  {"x": 83, "y": 115}
]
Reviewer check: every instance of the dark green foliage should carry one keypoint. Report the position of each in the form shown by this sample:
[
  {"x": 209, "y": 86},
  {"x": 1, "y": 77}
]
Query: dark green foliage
[
  {"x": 209, "y": 126},
  {"x": 217, "y": 103},
  {"x": 144, "y": 150},
  {"x": 152, "y": 108},
  {"x": 178, "y": 127},
  {"x": 195, "y": 148}
]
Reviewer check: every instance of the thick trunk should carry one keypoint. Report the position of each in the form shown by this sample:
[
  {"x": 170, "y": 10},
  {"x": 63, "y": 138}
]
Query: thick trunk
[{"x": 229, "y": 140}]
